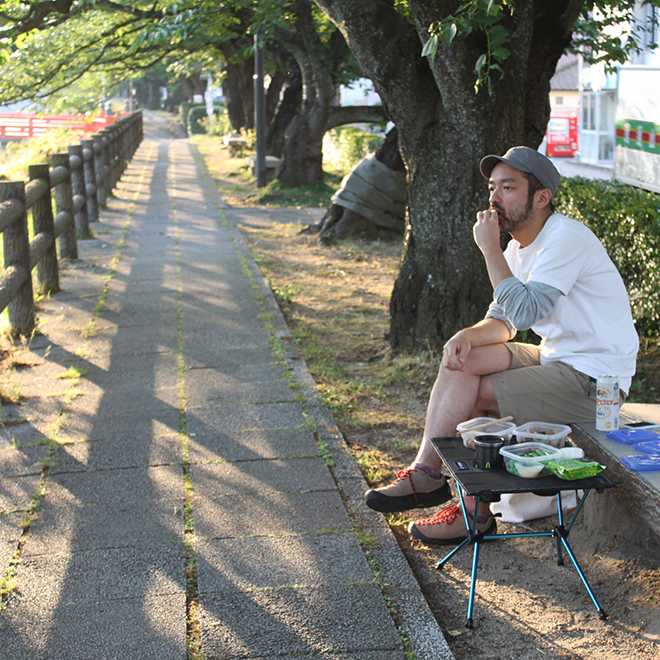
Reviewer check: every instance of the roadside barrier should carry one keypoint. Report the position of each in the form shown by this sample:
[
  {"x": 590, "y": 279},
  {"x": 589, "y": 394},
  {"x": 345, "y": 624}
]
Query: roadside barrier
[{"x": 80, "y": 182}]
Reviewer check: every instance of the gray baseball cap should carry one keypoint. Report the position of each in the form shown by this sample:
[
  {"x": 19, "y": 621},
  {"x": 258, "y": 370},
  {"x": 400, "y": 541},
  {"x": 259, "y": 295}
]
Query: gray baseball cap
[{"x": 525, "y": 160}]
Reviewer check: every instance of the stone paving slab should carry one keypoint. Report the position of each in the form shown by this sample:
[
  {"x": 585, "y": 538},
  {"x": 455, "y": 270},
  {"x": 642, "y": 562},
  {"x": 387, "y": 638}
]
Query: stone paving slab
[
  {"x": 103, "y": 574},
  {"x": 138, "y": 523},
  {"x": 119, "y": 488},
  {"x": 265, "y": 562},
  {"x": 116, "y": 454},
  {"x": 37, "y": 411},
  {"x": 127, "y": 401},
  {"x": 227, "y": 418},
  {"x": 327, "y": 654},
  {"x": 276, "y": 515},
  {"x": 121, "y": 373},
  {"x": 17, "y": 492},
  {"x": 253, "y": 444},
  {"x": 135, "y": 307},
  {"x": 148, "y": 628},
  {"x": 198, "y": 357},
  {"x": 221, "y": 390},
  {"x": 246, "y": 478},
  {"x": 127, "y": 426},
  {"x": 296, "y": 620},
  {"x": 17, "y": 460},
  {"x": 28, "y": 433}
]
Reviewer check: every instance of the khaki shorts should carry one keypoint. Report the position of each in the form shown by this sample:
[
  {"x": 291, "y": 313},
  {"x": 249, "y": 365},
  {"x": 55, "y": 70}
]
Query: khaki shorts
[{"x": 531, "y": 392}]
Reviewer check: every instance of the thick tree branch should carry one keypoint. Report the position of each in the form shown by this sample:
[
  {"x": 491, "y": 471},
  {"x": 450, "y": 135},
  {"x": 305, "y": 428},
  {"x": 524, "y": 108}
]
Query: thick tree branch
[
  {"x": 39, "y": 12},
  {"x": 351, "y": 114},
  {"x": 570, "y": 15}
]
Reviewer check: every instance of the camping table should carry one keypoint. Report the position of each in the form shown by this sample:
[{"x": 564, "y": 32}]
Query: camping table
[{"x": 488, "y": 485}]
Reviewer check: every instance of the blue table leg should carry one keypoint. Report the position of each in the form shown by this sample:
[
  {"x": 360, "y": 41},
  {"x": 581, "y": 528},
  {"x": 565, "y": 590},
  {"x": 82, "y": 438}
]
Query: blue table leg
[
  {"x": 594, "y": 600},
  {"x": 473, "y": 581}
]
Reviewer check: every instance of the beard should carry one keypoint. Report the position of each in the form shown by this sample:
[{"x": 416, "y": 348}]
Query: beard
[{"x": 510, "y": 222}]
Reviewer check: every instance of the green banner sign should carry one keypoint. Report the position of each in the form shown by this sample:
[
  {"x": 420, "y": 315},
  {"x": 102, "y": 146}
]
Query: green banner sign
[{"x": 638, "y": 135}]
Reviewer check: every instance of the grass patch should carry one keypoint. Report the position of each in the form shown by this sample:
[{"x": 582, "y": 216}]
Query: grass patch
[{"x": 317, "y": 195}]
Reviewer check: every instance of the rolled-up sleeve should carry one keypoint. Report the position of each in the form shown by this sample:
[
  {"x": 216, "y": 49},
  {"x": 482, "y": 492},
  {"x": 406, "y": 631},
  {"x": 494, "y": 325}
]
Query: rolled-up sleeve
[{"x": 520, "y": 305}]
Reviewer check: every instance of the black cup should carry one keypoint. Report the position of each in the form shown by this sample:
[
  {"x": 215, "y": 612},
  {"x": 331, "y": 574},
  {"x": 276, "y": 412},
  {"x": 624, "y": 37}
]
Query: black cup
[{"x": 487, "y": 448}]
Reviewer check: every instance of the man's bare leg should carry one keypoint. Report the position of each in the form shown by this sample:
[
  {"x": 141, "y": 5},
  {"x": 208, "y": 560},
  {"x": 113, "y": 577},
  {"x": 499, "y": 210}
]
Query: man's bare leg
[
  {"x": 461, "y": 395},
  {"x": 457, "y": 396}
]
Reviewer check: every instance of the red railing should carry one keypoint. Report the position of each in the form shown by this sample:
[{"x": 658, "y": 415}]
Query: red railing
[{"x": 18, "y": 125}]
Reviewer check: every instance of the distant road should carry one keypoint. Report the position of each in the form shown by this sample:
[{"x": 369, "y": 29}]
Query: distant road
[{"x": 571, "y": 167}]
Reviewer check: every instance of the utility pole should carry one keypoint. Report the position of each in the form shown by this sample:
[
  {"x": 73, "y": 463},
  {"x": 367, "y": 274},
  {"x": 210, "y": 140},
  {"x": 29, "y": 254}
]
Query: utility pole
[{"x": 259, "y": 112}]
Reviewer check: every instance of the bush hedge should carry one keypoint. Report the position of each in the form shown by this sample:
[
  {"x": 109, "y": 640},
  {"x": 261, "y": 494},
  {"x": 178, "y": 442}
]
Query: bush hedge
[
  {"x": 197, "y": 119},
  {"x": 627, "y": 221},
  {"x": 185, "y": 108},
  {"x": 345, "y": 146}
]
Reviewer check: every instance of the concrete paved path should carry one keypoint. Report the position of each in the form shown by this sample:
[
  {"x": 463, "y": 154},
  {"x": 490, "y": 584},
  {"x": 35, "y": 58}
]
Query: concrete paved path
[{"x": 171, "y": 485}]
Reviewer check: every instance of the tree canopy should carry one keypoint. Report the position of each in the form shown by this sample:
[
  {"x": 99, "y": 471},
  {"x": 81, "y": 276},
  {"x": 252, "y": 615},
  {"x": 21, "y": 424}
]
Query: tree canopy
[{"x": 48, "y": 46}]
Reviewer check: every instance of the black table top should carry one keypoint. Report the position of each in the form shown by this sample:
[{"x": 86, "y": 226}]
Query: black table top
[{"x": 490, "y": 484}]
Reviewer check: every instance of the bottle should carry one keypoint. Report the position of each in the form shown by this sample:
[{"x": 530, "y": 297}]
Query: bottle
[{"x": 607, "y": 403}]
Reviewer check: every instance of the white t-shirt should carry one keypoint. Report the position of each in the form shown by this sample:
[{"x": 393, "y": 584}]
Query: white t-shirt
[{"x": 591, "y": 326}]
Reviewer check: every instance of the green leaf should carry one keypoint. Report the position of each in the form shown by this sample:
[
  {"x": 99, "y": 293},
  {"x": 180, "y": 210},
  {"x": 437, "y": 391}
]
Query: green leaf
[
  {"x": 430, "y": 47},
  {"x": 449, "y": 32},
  {"x": 481, "y": 62},
  {"x": 500, "y": 53},
  {"x": 497, "y": 36}
]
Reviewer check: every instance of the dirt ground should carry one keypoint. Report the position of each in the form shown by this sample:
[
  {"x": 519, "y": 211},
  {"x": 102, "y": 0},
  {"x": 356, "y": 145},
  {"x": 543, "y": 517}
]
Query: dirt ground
[{"x": 527, "y": 607}]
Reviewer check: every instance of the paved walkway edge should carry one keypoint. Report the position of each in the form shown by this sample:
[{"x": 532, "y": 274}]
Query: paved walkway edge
[{"x": 421, "y": 632}]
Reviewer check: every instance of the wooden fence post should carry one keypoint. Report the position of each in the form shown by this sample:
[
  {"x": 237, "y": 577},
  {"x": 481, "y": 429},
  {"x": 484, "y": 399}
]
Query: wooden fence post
[
  {"x": 114, "y": 157},
  {"x": 107, "y": 162},
  {"x": 64, "y": 205},
  {"x": 17, "y": 257},
  {"x": 48, "y": 274},
  {"x": 125, "y": 144},
  {"x": 90, "y": 179},
  {"x": 78, "y": 190},
  {"x": 98, "y": 169}
]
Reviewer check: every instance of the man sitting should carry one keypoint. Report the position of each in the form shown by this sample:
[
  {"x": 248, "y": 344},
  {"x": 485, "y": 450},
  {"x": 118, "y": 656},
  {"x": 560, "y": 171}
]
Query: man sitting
[{"x": 554, "y": 277}]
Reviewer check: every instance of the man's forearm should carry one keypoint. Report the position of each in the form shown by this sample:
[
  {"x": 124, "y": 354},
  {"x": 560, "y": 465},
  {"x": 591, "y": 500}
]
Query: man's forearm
[
  {"x": 488, "y": 331},
  {"x": 498, "y": 268}
]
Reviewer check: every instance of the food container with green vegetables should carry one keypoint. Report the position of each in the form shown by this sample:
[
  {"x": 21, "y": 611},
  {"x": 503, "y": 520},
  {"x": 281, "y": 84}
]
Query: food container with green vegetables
[{"x": 529, "y": 459}]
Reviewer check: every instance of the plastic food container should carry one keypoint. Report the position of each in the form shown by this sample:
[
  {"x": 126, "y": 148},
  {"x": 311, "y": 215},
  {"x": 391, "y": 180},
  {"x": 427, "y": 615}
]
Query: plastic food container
[
  {"x": 503, "y": 429},
  {"x": 549, "y": 434},
  {"x": 528, "y": 460}
]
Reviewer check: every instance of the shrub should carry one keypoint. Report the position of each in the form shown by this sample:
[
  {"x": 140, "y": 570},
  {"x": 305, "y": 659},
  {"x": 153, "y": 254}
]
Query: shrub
[
  {"x": 198, "y": 119},
  {"x": 627, "y": 221},
  {"x": 184, "y": 111},
  {"x": 220, "y": 124},
  {"x": 344, "y": 147}
]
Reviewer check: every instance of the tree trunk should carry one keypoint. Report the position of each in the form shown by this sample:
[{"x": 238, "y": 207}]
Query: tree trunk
[
  {"x": 285, "y": 113},
  {"x": 233, "y": 99},
  {"x": 302, "y": 153},
  {"x": 238, "y": 90},
  {"x": 445, "y": 128}
]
